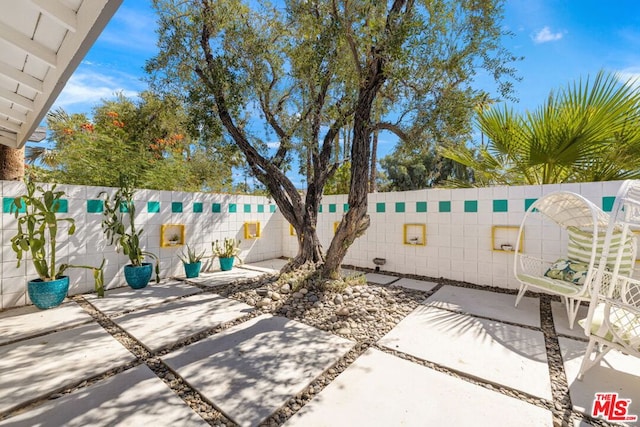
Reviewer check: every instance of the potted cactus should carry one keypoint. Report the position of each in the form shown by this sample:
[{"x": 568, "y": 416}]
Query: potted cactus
[
  {"x": 226, "y": 252},
  {"x": 37, "y": 234},
  {"x": 138, "y": 273},
  {"x": 192, "y": 262}
]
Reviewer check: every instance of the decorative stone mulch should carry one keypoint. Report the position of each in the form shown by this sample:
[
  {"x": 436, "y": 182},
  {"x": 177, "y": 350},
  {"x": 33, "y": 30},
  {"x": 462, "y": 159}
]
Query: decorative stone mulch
[{"x": 361, "y": 313}]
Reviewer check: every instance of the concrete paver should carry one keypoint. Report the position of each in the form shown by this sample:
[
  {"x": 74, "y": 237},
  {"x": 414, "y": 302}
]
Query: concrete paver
[
  {"x": 379, "y": 389},
  {"x": 419, "y": 285},
  {"x": 218, "y": 278},
  {"x": 127, "y": 299},
  {"x": 380, "y": 279},
  {"x": 488, "y": 304},
  {"x": 250, "y": 370},
  {"x": 561, "y": 321},
  {"x": 41, "y": 365},
  {"x": 163, "y": 325},
  {"x": 267, "y": 266},
  {"x": 23, "y": 322},
  {"x": 616, "y": 373},
  {"x": 136, "y": 397},
  {"x": 494, "y": 351}
]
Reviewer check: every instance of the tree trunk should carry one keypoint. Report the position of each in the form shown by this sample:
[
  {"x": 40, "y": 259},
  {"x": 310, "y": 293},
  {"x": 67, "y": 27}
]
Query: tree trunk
[
  {"x": 11, "y": 163},
  {"x": 374, "y": 161},
  {"x": 356, "y": 221}
]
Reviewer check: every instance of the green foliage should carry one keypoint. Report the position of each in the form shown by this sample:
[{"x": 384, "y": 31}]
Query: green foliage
[
  {"x": 339, "y": 182},
  {"x": 191, "y": 257},
  {"x": 423, "y": 168},
  {"x": 38, "y": 231},
  {"x": 229, "y": 248},
  {"x": 152, "y": 139},
  {"x": 589, "y": 131},
  {"x": 114, "y": 225}
]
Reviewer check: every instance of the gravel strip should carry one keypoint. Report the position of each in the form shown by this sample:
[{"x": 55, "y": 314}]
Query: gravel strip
[{"x": 362, "y": 313}]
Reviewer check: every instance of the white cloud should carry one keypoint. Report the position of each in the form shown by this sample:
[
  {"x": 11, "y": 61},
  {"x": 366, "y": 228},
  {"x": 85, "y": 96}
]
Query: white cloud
[
  {"x": 545, "y": 35},
  {"x": 274, "y": 144},
  {"x": 86, "y": 88},
  {"x": 630, "y": 74}
]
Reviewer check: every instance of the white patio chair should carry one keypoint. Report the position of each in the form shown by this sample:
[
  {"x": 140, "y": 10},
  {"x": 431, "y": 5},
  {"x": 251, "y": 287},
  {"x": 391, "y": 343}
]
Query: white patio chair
[
  {"x": 572, "y": 275},
  {"x": 613, "y": 320}
]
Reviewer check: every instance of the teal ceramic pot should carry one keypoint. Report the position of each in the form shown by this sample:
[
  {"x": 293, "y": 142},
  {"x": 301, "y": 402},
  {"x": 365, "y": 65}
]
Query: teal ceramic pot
[
  {"x": 138, "y": 277},
  {"x": 48, "y": 294},
  {"x": 192, "y": 270},
  {"x": 226, "y": 264}
]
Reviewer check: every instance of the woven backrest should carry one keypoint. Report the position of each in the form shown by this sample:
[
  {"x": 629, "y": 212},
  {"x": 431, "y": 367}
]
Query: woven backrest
[{"x": 581, "y": 244}]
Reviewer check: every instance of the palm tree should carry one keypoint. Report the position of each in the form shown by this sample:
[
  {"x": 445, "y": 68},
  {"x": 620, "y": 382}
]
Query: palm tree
[{"x": 590, "y": 131}]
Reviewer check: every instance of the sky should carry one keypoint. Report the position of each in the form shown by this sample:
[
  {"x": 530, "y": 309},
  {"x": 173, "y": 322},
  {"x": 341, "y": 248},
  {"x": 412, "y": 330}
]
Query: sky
[{"x": 561, "y": 41}]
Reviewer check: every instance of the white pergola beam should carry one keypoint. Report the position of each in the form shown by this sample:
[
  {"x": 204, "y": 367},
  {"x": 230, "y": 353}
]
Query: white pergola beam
[
  {"x": 24, "y": 43},
  {"x": 8, "y": 139},
  {"x": 59, "y": 12},
  {"x": 17, "y": 99},
  {"x": 21, "y": 77},
  {"x": 12, "y": 114},
  {"x": 10, "y": 126}
]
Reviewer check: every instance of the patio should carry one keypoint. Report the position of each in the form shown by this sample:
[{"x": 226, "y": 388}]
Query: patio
[{"x": 182, "y": 353}]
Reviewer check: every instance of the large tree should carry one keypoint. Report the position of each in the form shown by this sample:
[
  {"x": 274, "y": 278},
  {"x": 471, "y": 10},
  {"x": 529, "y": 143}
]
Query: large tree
[{"x": 305, "y": 69}]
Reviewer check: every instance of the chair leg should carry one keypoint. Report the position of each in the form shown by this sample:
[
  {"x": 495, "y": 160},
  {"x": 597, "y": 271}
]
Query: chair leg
[
  {"x": 587, "y": 361},
  {"x": 572, "y": 306},
  {"x": 523, "y": 289}
]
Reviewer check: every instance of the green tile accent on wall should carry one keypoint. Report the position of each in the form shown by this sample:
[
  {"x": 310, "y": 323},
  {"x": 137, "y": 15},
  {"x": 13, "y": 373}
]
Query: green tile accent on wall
[
  {"x": 332, "y": 207},
  {"x": 444, "y": 206},
  {"x": 216, "y": 208},
  {"x": 124, "y": 207},
  {"x": 471, "y": 206},
  {"x": 421, "y": 206},
  {"x": 500, "y": 205},
  {"x": 607, "y": 203},
  {"x": 400, "y": 207},
  {"x": 272, "y": 208},
  {"x": 62, "y": 206},
  {"x": 176, "y": 207},
  {"x": 9, "y": 207},
  {"x": 528, "y": 203},
  {"x": 380, "y": 207},
  {"x": 95, "y": 206},
  {"x": 233, "y": 208},
  {"x": 247, "y": 208},
  {"x": 319, "y": 208},
  {"x": 260, "y": 208},
  {"x": 153, "y": 207},
  {"x": 345, "y": 207},
  {"x": 197, "y": 207}
]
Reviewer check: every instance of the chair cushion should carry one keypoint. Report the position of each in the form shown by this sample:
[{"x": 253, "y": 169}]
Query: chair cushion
[
  {"x": 582, "y": 242},
  {"x": 569, "y": 271}
]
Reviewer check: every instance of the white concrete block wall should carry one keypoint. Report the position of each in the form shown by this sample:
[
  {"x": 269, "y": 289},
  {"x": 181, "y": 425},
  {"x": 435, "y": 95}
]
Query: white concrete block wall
[
  {"x": 458, "y": 232},
  {"x": 459, "y": 224},
  {"x": 88, "y": 245}
]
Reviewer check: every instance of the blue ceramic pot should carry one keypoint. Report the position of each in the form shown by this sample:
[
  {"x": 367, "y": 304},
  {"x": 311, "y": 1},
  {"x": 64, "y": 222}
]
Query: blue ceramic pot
[
  {"x": 226, "y": 264},
  {"x": 138, "y": 277},
  {"x": 192, "y": 270},
  {"x": 48, "y": 294}
]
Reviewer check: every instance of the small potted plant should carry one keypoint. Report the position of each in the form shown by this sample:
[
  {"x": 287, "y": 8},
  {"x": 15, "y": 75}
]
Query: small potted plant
[
  {"x": 226, "y": 252},
  {"x": 138, "y": 273},
  {"x": 174, "y": 239},
  {"x": 37, "y": 233},
  {"x": 192, "y": 262}
]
